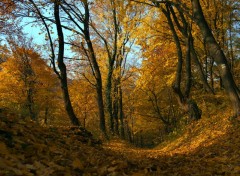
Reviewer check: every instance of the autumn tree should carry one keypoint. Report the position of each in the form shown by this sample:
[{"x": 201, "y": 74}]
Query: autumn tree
[
  {"x": 184, "y": 51},
  {"x": 6, "y": 9},
  {"x": 221, "y": 18},
  {"x": 111, "y": 48},
  {"x": 113, "y": 33},
  {"x": 216, "y": 52},
  {"x": 153, "y": 87},
  {"x": 28, "y": 76},
  {"x": 62, "y": 66},
  {"x": 84, "y": 103},
  {"x": 25, "y": 88},
  {"x": 214, "y": 49},
  {"x": 62, "y": 73},
  {"x": 78, "y": 14}
]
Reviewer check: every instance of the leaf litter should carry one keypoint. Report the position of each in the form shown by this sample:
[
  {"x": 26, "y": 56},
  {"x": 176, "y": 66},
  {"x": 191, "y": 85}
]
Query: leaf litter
[{"x": 29, "y": 149}]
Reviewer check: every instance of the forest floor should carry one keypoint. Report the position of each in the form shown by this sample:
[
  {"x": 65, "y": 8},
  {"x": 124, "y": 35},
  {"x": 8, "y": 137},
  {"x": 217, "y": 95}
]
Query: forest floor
[{"x": 208, "y": 147}]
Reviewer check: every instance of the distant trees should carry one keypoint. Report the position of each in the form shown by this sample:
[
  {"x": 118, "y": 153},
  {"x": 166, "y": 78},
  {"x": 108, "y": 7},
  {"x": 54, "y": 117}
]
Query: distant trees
[{"x": 27, "y": 84}]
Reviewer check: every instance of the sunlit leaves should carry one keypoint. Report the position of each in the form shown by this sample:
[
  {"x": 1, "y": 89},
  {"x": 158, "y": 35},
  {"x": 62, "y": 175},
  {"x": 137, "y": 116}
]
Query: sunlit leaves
[{"x": 21, "y": 72}]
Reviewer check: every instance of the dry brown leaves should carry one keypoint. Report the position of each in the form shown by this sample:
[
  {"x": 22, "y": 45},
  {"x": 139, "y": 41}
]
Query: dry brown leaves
[
  {"x": 209, "y": 147},
  {"x": 29, "y": 149}
]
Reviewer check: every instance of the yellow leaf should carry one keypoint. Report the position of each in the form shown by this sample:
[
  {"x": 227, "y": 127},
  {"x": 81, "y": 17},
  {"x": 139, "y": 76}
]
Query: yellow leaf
[
  {"x": 139, "y": 174},
  {"x": 78, "y": 164},
  {"x": 237, "y": 170},
  {"x": 3, "y": 148}
]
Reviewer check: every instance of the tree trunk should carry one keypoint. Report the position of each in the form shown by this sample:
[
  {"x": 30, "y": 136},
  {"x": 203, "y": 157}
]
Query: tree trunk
[
  {"x": 115, "y": 115},
  {"x": 97, "y": 72},
  {"x": 211, "y": 64},
  {"x": 62, "y": 67},
  {"x": 121, "y": 114},
  {"x": 231, "y": 53},
  {"x": 217, "y": 54},
  {"x": 183, "y": 99},
  {"x": 30, "y": 104},
  {"x": 186, "y": 32},
  {"x": 115, "y": 108},
  {"x": 109, "y": 97},
  {"x": 46, "y": 115},
  {"x": 129, "y": 133}
]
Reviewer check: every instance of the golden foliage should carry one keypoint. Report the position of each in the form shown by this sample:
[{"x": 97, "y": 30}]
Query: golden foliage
[{"x": 23, "y": 71}]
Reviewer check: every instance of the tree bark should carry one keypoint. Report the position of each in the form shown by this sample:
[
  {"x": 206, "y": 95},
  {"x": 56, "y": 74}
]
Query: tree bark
[
  {"x": 185, "y": 102},
  {"x": 109, "y": 101},
  {"x": 217, "y": 54},
  {"x": 186, "y": 32},
  {"x": 97, "y": 72},
  {"x": 111, "y": 61},
  {"x": 62, "y": 67},
  {"x": 121, "y": 114},
  {"x": 115, "y": 108},
  {"x": 30, "y": 103}
]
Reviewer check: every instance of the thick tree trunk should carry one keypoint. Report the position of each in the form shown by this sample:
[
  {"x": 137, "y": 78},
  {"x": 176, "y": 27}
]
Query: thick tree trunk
[
  {"x": 186, "y": 32},
  {"x": 188, "y": 105},
  {"x": 217, "y": 54},
  {"x": 67, "y": 102},
  {"x": 62, "y": 67},
  {"x": 183, "y": 99}
]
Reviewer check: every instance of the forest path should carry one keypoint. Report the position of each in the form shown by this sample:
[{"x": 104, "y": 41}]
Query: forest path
[
  {"x": 212, "y": 150},
  {"x": 29, "y": 149},
  {"x": 122, "y": 148}
]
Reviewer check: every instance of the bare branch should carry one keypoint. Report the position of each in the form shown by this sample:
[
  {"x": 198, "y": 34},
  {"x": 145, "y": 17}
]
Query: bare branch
[{"x": 88, "y": 80}]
